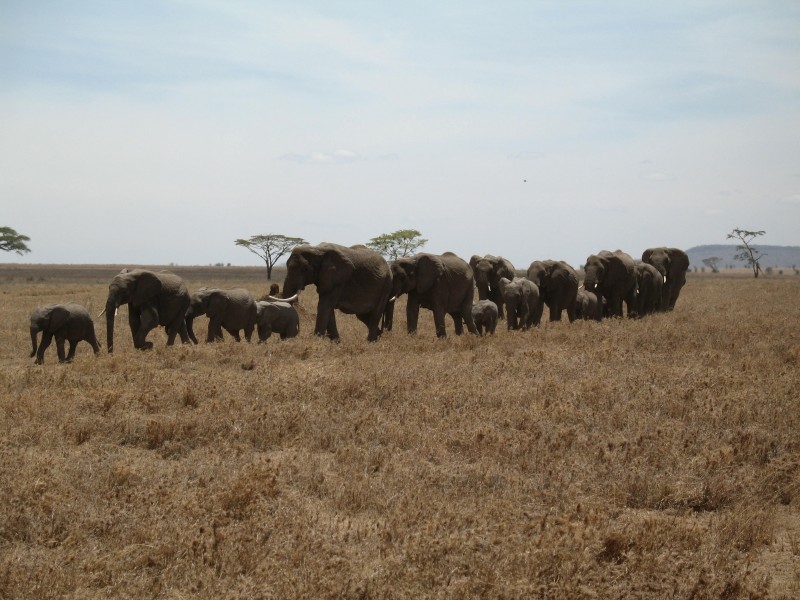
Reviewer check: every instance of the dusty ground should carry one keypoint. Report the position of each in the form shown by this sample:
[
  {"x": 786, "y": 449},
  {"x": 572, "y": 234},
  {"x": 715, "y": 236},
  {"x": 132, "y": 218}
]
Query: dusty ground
[{"x": 652, "y": 458}]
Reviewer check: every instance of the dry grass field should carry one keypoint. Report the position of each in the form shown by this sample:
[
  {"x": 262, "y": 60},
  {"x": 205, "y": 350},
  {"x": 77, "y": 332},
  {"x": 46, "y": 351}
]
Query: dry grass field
[{"x": 657, "y": 458}]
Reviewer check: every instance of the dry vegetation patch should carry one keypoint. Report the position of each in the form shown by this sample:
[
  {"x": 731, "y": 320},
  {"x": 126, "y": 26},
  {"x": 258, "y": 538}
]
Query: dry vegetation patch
[{"x": 649, "y": 458}]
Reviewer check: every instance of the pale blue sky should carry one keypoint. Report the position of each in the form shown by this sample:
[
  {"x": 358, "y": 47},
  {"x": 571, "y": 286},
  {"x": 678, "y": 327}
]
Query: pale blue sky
[{"x": 158, "y": 132}]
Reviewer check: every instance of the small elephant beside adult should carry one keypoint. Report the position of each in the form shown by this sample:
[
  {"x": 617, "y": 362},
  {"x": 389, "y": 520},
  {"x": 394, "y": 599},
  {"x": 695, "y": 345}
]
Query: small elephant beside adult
[
  {"x": 442, "y": 283},
  {"x": 69, "y": 322},
  {"x": 587, "y": 306},
  {"x": 649, "y": 285},
  {"x": 355, "y": 280},
  {"x": 672, "y": 264},
  {"x": 485, "y": 315},
  {"x": 276, "y": 317},
  {"x": 153, "y": 299},
  {"x": 487, "y": 271},
  {"x": 232, "y": 309},
  {"x": 611, "y": 276},
  {"x": 521, "y": 297},
  {"x": 558, "y": 288}
]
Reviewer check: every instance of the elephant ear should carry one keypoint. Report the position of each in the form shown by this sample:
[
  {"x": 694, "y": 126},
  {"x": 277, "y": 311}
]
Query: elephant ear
[
  {"x": 335, "y": 269},
  {"x": 429, "y": 269},
  {"x": 57, "y": 317},
  {"x": 646, "y": 255},
  {"x": 679, "y": 261},
  {"x": 474, "y": 261},
  {"x": 505, "y": 269},
  {"x": 144, "y": 287}
]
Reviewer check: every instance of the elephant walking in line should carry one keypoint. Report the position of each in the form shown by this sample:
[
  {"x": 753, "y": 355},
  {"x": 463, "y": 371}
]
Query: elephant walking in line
[
  {"x": 587, "y": 306},
  {"x": 153, "y": 299},
  {"x": 484, "y": 314},
  {"x": 441, "y": 283},
  {"x": 521, "y": 297},
  {"x": 558, "y": 288},
  {"x": 233, "y": 309},
  {"x": 66, "y": 322},
  {"x": 487, "y": 271},
  {"x": 276, "y": 317},
  {"x": 356, "y": 280},
  {"x": 672, "y": 264},
  {"x": 611, "y": 276},
  {"x": 649, "y": 286}
]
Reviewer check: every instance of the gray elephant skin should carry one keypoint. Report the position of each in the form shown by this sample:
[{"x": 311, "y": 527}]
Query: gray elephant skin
[
  {"x": 487, "y": 271},
  {"x": 649, "y": 285},
  {"x": 355, "y": 280},
  {"x": 521, "y": 296},
  {"x": 276, "y": 317},
  {"x": 232, "y": 309},
  {"x": 66, "y": 322},
  {"x": 153, "y": 299},
  {"x": 485, "y": 315},
  {"x": 587, "y": 307},
  {"x": 672, "y": 264},
  {"x": 442, "y": 283},
  {"x": 558, "y": 288},
  {"x": 611, "y": 276}
]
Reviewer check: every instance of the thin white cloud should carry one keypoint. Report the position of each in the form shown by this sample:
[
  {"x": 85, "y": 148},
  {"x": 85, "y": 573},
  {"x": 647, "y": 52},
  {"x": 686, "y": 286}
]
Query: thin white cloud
[{"x": 337, "y": 157}]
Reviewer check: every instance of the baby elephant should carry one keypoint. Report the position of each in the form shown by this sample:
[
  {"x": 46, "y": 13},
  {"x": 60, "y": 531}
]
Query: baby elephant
[
  {"x": 484, "y": 313},
  {"x": 277, "y": 317},
  {"x": 587, "y": 306},
  {"x": 70, "y": 321}
]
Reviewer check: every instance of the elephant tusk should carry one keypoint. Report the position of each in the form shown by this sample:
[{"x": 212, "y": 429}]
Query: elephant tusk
[
  {"x": 101, "y": 313},
  {"x": 269, "y": 298},
  {"x": 392, "y": 299},
  {"x": 665, "y": 279},
  {"x": 580, "y": 287}
]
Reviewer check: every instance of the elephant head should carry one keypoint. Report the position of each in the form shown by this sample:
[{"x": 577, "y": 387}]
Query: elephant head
[
  {"x": 136, "y": 288},
  {"x": 672, "y": 264},
  {"x": 487, "y": 271},
  {"x": 48, "y": 318},
  {"x": 611, "y": 275},
  {"x": 415, "y": 273},
  {"x": 324, "y": 266}
]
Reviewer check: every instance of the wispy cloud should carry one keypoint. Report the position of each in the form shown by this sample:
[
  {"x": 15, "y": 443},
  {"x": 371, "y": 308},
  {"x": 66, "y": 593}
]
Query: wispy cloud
[{"x": 337, "y": 157}]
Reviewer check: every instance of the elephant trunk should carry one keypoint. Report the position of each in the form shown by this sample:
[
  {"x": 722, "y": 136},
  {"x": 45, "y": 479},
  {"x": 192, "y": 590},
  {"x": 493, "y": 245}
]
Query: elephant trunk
[
  {"x": 34, "y": 333},
  {"x": 111, "y": 309}
]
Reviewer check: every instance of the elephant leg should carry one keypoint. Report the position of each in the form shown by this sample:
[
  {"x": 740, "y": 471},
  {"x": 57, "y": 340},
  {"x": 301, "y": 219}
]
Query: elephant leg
[
  {"x": 554, "y": 309},
  {"x": 47, "y": 338},
  {"x": 412, "y": 313},
  {"x": 148, "y": 320},
  {"x": 495, "y": 296},
  {"x": 466, "y": 314},
  {"x": 248, "y": 332},
  {"x": 71, "y": 353},
  {"x": 190, "y": 329},
  {"x": 438, "y": 321},
  {"x": 458, "y": 323},
  {"x": 214, "y": 330},
  {"x": 92, "y": 339},
  {"x": 325, "y": 310},
  {"x": 264, "y": 331},
  {"x": 479, "y": 328},
  {"x": 234, "y": 333},
  {"x": 333, "y": 331},
  {"x": 62, "y": 357},
  {"x": 536, "y": 318}
]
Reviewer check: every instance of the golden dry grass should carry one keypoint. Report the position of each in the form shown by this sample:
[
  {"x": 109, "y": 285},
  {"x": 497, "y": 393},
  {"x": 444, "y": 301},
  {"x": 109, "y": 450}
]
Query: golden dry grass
[{"x": 653, "y": 458}]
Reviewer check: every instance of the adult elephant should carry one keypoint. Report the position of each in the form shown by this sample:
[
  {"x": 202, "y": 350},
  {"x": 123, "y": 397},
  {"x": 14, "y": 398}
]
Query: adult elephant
[
  {"x": 649, "y": 285},
  {"x": 672, "y": 264},
  {"x": 521, "y": 296},
  {"x": 66, "y": 322},
  {"x": 611, "y": 276},
  {"x": 356, "y": 280},
  {"x": 153, "y": 299},
  {"x": 233, "y": 309},
  {"x": 487, "y": 271},
  {"x": 558, "y": 288},
  {"x": 441, "y": 283}
]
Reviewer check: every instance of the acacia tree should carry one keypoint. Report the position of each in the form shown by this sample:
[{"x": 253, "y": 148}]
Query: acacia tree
[
  {"x": 11, "y": 241},
  {"x": 745, "y": 251},
  {"x": 270, "y": 247},
  {"x": 396, "y": 244},
  {"x": 713, "y": 263}
]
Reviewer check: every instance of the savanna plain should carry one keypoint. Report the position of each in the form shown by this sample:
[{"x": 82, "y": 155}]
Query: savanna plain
[{"x": 652, "y": 458}]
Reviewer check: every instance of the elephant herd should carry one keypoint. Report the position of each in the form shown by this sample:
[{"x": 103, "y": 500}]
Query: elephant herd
[{"x": 356, "y": 280}]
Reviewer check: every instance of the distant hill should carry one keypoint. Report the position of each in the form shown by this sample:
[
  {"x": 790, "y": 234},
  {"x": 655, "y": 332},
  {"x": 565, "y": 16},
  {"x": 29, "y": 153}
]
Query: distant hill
[{"x": 776, "y": 256}]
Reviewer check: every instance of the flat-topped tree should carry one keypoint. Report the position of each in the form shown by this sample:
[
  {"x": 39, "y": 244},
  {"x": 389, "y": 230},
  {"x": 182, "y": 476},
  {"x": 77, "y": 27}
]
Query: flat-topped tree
[
  {"x": 745, "y": 251},
  {"x": 270, "y": 247},
  {"x": 403, "y": 242},
  {"x": 11, "y": 241}
]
